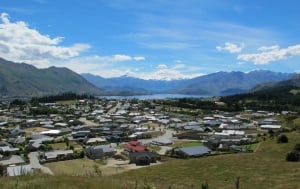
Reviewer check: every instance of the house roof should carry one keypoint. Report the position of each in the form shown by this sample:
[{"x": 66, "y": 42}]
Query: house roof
[
  {"x": 195, "y": 150},
  {"x": 14, "y": 159},
  {"x": 135, "y": 146},
  {"x": 143, "y": 153},
  {"x": 94, "y": 140},
  {"x": 55, "y": 153},
  {"x": 105, "y": 148},
  {"x": 270, "y": 126},
  {"x": 134, "y": 143},
  {"x": 51, "y": 132}
]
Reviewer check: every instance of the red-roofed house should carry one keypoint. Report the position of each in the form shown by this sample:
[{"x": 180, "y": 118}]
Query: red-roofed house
[{"x": 135, "y": 146}]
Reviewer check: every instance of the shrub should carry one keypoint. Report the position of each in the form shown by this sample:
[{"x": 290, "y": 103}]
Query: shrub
[
  {"x": 282, "y": 139},
  {"x": 293, "y": 156},
  {"x": 297, "y": 147}
]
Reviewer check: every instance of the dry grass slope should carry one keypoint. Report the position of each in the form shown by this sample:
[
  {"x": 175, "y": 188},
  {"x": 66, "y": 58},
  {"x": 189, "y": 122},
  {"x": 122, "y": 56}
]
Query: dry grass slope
[{"x": 263, "y": 169}]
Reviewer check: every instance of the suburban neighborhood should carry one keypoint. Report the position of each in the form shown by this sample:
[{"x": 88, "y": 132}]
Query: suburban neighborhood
[{"x": 122, "y": 134}]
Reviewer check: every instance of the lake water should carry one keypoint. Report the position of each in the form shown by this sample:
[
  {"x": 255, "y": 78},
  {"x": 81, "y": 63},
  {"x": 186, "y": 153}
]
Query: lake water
[{"x": 155, "y": 96}]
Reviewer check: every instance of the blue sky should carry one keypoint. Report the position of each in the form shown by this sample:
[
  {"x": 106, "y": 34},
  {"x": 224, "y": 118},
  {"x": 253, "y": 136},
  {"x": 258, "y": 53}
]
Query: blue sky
[{"x": 152, "y": 39}]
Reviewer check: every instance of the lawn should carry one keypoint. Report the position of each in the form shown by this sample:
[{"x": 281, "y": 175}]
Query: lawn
[
  {"x": 76, "y": 167},
  {"x": 63, "y": 146},
  {"x": 188, "y": 143},
  {"x": 251, "y": 147}
]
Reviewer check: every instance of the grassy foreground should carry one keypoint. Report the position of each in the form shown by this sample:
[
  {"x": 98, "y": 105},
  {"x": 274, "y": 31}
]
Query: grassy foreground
[{"x": 264, "y": 169}]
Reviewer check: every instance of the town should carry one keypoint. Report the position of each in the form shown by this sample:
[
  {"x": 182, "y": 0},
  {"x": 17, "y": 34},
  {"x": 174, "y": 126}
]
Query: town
[{"x": 115, "y": 135}]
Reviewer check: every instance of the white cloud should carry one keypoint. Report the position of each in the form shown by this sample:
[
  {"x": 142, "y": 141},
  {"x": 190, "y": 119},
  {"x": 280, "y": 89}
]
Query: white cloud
[
  {"x": 104, "y": 67},
  {"x": 121, "y": 57},
  {"x": 162, "y": 67},
  {"x": 270, "y": 54},
  {"x": 139, "y": 58},
  {"x": 231, "y": 47},
  {"x": 269, "y": 48},
  {"x": 4, "y": 18},
  {"x": 179, "y": 66},
  {"x": 20, "y": 43}
]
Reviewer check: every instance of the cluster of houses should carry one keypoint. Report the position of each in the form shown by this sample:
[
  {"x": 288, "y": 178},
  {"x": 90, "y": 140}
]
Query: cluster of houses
[{"x": 105, "y": 127}]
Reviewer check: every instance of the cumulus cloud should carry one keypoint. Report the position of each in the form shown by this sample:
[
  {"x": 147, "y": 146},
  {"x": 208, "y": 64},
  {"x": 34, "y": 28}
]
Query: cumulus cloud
[
  {"x": 20, "y": 43},
  {"x": 270, "y": 54},
  {"x": 179, "y": 66},
  {"x": 163, "y": 72},
  {"x": 139, "y": 58},
  {"x": 162, "y": 67},
  {"x": 231, "y": 47},
  {"x": 269, "y": 48},
  {"x": 103, "y": 66},
  {"x": 121, "y": 57}
]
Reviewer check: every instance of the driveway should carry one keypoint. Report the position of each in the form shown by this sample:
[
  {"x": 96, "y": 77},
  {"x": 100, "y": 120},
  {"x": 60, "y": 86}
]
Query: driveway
[{"x": 35, "y": 164}]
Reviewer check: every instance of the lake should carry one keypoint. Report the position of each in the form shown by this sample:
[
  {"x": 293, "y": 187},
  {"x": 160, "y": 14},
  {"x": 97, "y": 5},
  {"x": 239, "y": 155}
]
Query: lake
[{"x": 155, "y": 96}]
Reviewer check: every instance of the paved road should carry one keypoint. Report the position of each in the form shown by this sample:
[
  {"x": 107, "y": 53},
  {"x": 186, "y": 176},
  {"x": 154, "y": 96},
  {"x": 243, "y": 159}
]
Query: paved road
[
  {"x": 35, "y": 164},
  {"x": 88, "y": 123},
  {"x": 115, "y": 108},
  {"x": 167, "y": 135}
]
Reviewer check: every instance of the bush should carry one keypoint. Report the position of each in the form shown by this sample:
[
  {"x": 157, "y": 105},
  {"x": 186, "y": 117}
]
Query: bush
[
  {"x": 282, "y": 139},
  {"x": 297, "y": 147},
  {"x": 293, "y": 156}
]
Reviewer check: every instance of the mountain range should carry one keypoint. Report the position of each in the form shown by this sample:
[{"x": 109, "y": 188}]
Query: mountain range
[
  {"x": 20, "y": 79},
  {"x": 220, "y": 83}
]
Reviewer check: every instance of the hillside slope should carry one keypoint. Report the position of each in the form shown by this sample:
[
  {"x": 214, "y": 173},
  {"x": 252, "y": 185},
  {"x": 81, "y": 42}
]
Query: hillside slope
[{"x": 20, "y": 79}]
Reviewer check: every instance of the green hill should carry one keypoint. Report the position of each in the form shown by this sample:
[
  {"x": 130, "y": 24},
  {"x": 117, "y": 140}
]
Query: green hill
[{"x": 19, "y": 79}]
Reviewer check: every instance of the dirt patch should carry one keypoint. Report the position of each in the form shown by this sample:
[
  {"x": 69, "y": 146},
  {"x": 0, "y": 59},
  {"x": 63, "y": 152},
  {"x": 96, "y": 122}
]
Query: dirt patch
[
  {"x": 36, "y": 129},
  {"x": 118, "y": 166}
]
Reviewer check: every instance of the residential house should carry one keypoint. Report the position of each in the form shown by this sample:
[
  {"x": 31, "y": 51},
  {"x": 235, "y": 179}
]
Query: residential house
[
  {"x": 17, "y": 140},
  {"x": 143, "y": 158},
  {"x": 12, "y": 160},
  {"x": 6, "y": 147},
  {"x": 162, "y": 142},
  {"x": 99, "y": 152},
  {"x": 135, "y": 146},
  {"x": 96, "y": 140},
  {"x": 16, "y": 131},
  {"x": 18, "y": 170},
  {"x": 270, "y": 127},
  {"x": 194, "y": 151},
  {"x": 57, "y": 155}
]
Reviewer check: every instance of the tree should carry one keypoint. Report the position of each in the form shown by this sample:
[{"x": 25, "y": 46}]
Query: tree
[
  {"x": 66, "y": 139},
  {"x": 282, "y": 139},
  {"x": 2, "y": 170}
]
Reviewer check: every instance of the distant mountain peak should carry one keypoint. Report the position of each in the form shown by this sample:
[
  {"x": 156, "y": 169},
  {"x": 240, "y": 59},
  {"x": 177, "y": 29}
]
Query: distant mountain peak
[{"x": 219, "y": 83}]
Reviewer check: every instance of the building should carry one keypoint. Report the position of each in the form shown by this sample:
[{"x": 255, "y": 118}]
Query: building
[
  {"x": 195, "y": 151},
  {"x": 143, "y": 158},
  {"x": 99, "y": 152}
]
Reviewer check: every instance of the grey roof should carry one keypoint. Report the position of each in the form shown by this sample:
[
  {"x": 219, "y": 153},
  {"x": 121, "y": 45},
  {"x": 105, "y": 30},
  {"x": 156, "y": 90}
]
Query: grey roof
[
  {"x": 55, "y": 153},
  {"x": 14, "y": 159},
  {"x": 195, "y": 150},
  {"x": 105, "y": 148}
]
